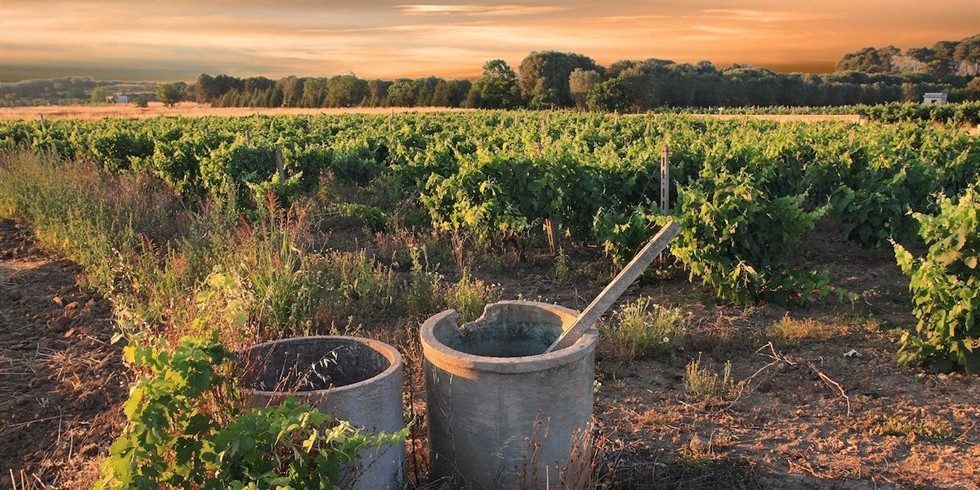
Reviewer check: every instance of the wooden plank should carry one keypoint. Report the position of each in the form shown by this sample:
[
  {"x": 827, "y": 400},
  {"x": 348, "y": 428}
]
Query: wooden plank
[
  {"x": 664, "y": 183},
  {"x": 617, "y": 287}
]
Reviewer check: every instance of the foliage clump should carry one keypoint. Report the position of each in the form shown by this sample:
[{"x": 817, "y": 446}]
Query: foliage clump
[
  {"x": 642, "y": 329},
  {"x": 187, "y": 429},
  {"x": 945, "y": 286},
  {"x": 736, "y": 237}
]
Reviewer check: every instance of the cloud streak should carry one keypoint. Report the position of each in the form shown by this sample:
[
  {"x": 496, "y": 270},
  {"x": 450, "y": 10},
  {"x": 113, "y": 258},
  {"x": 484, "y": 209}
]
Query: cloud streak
[{"x": 477, "y": 9}]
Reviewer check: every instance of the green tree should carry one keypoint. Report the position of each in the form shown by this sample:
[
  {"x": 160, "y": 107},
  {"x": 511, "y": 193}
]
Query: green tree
[
  {"x": 611, "y": 95},
  {"x": 545, "y": 76},
  {"x": 169, "y": 94},
  {"x": 314, "y": 92},
  {"x": 141, "y": 100},
  {"x": 496, "y": 89},
  {"x": 450, "y": 93},
  {"x": 580, "y": 82},
  {"x": 100, "y": 95},
  {"x": 346, "y": 91},
  {"x": 401, "y": 93}
]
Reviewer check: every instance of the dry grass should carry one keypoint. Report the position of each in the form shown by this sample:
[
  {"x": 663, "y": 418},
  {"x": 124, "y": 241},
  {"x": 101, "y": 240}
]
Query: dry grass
[
  {"x": 792, "y": 331},
  {"x": 191, "y": 109},
  {"x": 909, "y": 426}
]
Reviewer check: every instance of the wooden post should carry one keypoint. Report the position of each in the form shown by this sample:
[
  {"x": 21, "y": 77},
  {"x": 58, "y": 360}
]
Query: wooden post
[
  {"x": 617, "y": 287},
  {"x": 549, "y": 229},
  {"x": 664, "y": 182},
  {"x": 43, "y": 127},
  {"x": 279, "y": 166}
]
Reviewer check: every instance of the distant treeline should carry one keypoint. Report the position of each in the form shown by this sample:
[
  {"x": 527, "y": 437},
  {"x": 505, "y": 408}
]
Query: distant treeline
[
  {"x": 550, "y": 79},
  {"x": 66, "y": 90}
]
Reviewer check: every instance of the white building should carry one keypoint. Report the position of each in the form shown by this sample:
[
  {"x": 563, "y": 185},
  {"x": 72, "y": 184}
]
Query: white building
[
  {"x": 122, "y": 99},
  {"x": 934, "y": 98}
]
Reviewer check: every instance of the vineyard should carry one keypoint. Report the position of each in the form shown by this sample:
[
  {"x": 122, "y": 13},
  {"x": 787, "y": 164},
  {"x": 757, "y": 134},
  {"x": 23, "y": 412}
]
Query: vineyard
[{"x": 268, "y": 226}]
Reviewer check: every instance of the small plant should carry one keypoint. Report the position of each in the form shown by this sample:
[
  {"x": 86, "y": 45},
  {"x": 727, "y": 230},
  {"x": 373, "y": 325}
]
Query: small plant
[
  {"x": 702, "y": 383},
  {"x": 469, "y": 296},
  {"x": 642, "y": 328},
  {"x": 424, "y": 287},
  {"x": 141, "y": 100},
  {"x": 563, "y": 268},
  {"x": 360, "y": 277},
  {"x": 911, "y": 427},
  {"x": 790, "y": 331},
  {"x": 370, "y": 216},
  {"x": 186, "y": 429},
  {"x": 945, "y": 287}
]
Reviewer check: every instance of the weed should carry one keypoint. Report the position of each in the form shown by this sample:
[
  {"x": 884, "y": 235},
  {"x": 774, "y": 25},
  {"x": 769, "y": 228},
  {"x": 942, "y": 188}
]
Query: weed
[
  {"x": 563, "y": 268},
  {"x": 369, "y": 216},
  {"x": 703, "y": 383},
  {"x": 911, "y": 427},
  {"x": 424, "y": 287},
  {"x": 642, "y": 329},
  {"x": 790, "y": 331},
  {"x": 469, "y": 296}
]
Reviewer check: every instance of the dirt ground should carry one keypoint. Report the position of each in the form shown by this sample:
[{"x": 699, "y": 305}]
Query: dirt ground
[
  {"x": 190, "y": 109},
  {"x": 61, "y": 382},
  {"x": 788, "y": 427},
  {"x": 193, "y": 109},
  {"x": 829, "y": 409}
]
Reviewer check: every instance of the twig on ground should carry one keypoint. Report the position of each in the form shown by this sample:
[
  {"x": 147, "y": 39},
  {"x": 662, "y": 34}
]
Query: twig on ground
[{"x": 782, "y": 358}]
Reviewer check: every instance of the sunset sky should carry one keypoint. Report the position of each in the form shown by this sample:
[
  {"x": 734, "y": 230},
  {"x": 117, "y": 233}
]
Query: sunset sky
[{"x": 178, "y": 39}]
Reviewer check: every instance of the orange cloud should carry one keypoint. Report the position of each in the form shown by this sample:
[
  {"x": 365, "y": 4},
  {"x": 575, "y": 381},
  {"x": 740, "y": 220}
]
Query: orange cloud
[{"x": 180, "y": 38}]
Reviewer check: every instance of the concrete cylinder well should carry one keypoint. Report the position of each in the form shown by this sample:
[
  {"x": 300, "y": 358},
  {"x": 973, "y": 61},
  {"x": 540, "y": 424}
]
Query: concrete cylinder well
[
  {"x": 500, "y": 413},
  {"x": 353, "y": 379}
]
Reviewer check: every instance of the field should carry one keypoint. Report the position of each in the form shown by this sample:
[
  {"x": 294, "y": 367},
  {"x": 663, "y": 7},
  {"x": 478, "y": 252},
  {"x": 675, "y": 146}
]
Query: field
[
  {"x": 789, "y": 339},
  {"x": 188, "y": 109}
]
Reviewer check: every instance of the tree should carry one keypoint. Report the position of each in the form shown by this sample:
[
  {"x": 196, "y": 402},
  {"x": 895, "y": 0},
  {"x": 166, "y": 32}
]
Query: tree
[
  {"x": 451, "y": 93},
  {"x": 100, "y": 95},
  {"x": 377, "y": 93},
  {"x": 496, "y": 89},
  {"x": 141, "y": 100},
  {"x": 401, "y": 93},
  {"x": 580, "y": 82},
  {"x": 209, "y": 89},
  {"x": 169, "y": 94},
  {"x": 967, "y": 56},
  {"x": 346, "y": 91},
  {"x": 869, "y": 60},
  {"x": 611, "y": 95},
  {"x": 545, "y": 71},
  {"x": 292, "y": 91},
  {"x": 314, "y": 92}
]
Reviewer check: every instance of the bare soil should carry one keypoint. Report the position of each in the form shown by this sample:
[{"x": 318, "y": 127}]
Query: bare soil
[
  {"x": 868, "y": 424},
  {"x": 788, "y": 427},
  {"x": 61, "y": 382},
  {"x": 194, "y": 109},
  {"x": 190, "y": 109}
]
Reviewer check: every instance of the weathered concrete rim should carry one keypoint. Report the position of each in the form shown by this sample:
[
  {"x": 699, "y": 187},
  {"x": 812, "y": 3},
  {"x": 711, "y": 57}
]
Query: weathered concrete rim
[
  {"x": 441, "y": 354},
  {"x": 390, "y": 353}
]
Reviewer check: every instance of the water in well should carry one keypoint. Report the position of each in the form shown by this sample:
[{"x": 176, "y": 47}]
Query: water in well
[{"x": 511, "y": 339}]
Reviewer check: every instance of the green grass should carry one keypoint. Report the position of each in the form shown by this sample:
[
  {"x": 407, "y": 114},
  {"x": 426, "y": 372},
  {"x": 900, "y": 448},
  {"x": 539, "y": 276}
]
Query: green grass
[{"x": 644, "y": 329}]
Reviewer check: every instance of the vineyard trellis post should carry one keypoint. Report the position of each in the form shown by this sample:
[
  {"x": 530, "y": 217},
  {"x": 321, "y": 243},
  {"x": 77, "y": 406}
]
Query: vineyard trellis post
[
  {"x": 664, "y": 182},
  {"x": 664, "y": 189},
  {"x": 279, "y": 166}
]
